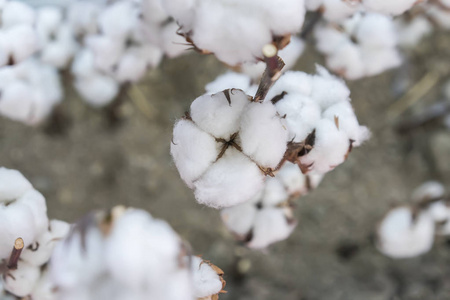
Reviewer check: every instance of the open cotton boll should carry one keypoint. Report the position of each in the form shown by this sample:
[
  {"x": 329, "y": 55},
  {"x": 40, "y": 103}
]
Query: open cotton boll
[
  {"x": 21, "y": 282},
  {"x": 301, "y": 115},
  {"x": 402, "y": 236},
  {"x": 427, "y": 191},
  {"x": 328, "y": 39},
  {"x": 411, "y": 33},
  {"x": 97, "y": 90},
  {"x": 348, "y": 61},
  {"x": 192, "y": 150},
  {"x": 16, "y": 13},
  {"x": 118, "y": 19},
  {"x": 388, "y": 7},
  {"x": 134, "y": 62},
  {"x": 330, "y": 147},
  {"x": 47, "y": 22},
  {"x": 337, "y": 10},
  {"x": 82, "y": 16},
  {"x": 130, "y": 252},
  {"x": 25, "y": 218},
  {"x": 229, "y": 80},
  {"x": 83, "y": 64},
  {"x": 78, "y": 260},
  {"x": 376, "y": 30},
  {"x": 232, "y": 180},
  {"x": 43, "y": 290},
  {"x": 439, "y": 211},
  {"x": 219, "y": 114},
  {"x": 271, "y": 225},
  {"x": 12, "y": 184},
  {"x": 379, "y": 60},
  {"x": 153, "y": 11},
  {"x": 348, "y": 122},
  {"x": 22, "y": 42},
  {"x": 106, "y": 50},
  {"x": 263, "y": 136},
  {"x": 239, "y": 218},
  {"x": 328, "y": 89},
  {"x": 40, "y": 251},
  {"x": 206, "y": 281},
  {"x": 274, "y": 192}
]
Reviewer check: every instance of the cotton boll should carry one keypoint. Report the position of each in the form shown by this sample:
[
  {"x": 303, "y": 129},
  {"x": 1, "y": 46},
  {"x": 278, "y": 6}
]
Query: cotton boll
[
  {"x": 232, "y": 180},
  {"x": 292, "y": 82},
  {"x": 239, "y": 219},
  {"x": 130, "y": 252},
  {"x": 263, "y": 136},
  {"x": 47, "y": 22},
  {"x": 17, "y": 101},
  {"x": 315, "y": 180},
  {"x": 439, "y": 211},
  {"x": 427, "y": 191},
  {"x": 205, "y": 279},
  {"x": 42, "y": 248},
  {"x": 327, "y": 89},
  {"x": 301, "y": 115},
  {"x": 271, "y": 225},
  {"x": 229, "y": 80},
  {"x": 153, "y": 11},
  {"x": 328, "y": 39},
  {"x": 219, "y": 114},
  {"x": 134, "y": 62},
  {"x": 181, "y": 10},
  {"x": 106, "y": 50},
  {"x": 97, "y": 90},
  {"x": 21, "y": 282},
  {"x": 59, "y": 52},
  {"x": 12, "y": 184},
  {"x": 348, "y": 122},
  {"x": 274, "y": 192},
  {"x": 411, "y": 33},
  {"x": 17, "y": 13},
  {"x": 192, "y": 150},
  {"x": 83, "y": 64},
  {"x": 376, "y": 30},
  {"x": 388, "y": 7},
  {"x": 43, "y": 290},
  {"x": 82, "y": 16},
  {"x": 118, "y": 19},
  {"x": 77, "y": 260},
  {"x": 401, "y": 236},
  {"x": 23, "y": 42},
  {"x": 330, "y": 148}
]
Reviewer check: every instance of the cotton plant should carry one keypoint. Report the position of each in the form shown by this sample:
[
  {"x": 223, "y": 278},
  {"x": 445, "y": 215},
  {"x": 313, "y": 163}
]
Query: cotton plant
[
  {"x": 408, "y": 231},
  {"x": 235, "y": 31},
  {"x": 127, "y": 254},
  {"x": 364, "y": 45},
  {"x": 269, "y": 217},
  {"x": 27, "y": 236}
]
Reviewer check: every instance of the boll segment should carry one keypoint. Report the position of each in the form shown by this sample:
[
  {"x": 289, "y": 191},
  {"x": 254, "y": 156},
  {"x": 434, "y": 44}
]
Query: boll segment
[
  {"x": 127, "y": 254},
  {"x": 268, "y": 217},
  {"x": 362, "y": 46},
  {"x": 226, "y": 145},
  {"x": 235, "y": 31},
  {"x": 322, "y": 125}
]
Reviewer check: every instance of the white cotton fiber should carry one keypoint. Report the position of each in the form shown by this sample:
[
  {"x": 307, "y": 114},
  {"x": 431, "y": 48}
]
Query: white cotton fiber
[
  {"x": 292, "y": 82},
  {"x": 22, "y": 281},
  {"x": 293, "y": 179},
  {"x": 428, "y": 190},
  {"x": 263, "y": 136},
  {"x": 239, "y": 218},
  {"x": 219, "y": 115},
  {"x": 271, "y": 225},
  {"x": 98, "y": 90},
  {"x": 328, "y": 89},
  {"x": 12, "y": 184},
  {"x": 118, "y": 19},
  {"x": 401, "y": 236},
  {"x": 17, "y": 13},
  {"x": 232, "y": 180},
  {"x": 388, "y": 7},
  {"x": 205, "y": 280},
  {"x": 192, "y": 150},
  {"x": 301, "y": 115},
  {"x": 411, "y": 33}
]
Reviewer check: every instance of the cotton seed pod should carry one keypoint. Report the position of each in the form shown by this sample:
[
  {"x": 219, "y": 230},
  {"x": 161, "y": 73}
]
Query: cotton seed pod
[
  {"x": 226, "y": 145},
  {"x": 208, "y": 279}
]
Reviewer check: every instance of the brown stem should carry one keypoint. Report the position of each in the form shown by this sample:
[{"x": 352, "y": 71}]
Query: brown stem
[
  {"x": 274, "y": 65},
  {"x": 15, "y": 254},
  {"x": 309, "y": 26}
]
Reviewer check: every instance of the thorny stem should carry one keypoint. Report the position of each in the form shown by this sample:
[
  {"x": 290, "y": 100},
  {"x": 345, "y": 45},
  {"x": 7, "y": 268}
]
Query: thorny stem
[
  {"x": 15, "y": 254},
  {"x": 274, "y": 65}
]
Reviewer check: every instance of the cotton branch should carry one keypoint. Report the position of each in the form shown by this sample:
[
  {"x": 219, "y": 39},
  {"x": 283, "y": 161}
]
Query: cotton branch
[
  {"x": 15, "y": 254},
  {"x": 274, "y": 65}
]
